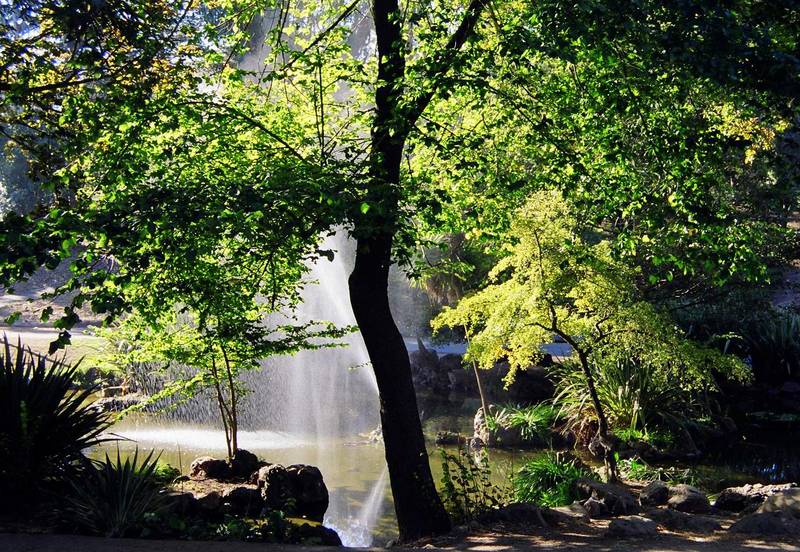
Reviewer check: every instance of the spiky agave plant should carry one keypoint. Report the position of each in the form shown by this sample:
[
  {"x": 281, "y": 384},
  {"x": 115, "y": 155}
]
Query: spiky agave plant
[
  {"x": 44, "y": 423},
  {"x": 112, "y": 496}
]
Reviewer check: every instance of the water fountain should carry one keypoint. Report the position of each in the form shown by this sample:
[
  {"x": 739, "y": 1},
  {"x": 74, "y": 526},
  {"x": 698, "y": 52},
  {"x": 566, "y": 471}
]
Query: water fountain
[{"x": 312, "y": 408}]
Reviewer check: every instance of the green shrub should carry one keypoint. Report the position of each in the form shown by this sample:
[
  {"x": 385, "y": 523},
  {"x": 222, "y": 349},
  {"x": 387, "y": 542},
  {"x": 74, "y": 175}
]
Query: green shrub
[
  {"x": 548, "y": 480},
  {"x": 659, "y": 438},
  {"x": 774, "y": 347},
  {"x": 165, "y": 474},
  {"x": 534, "y": 422},
  {"x": 635, "y": 396},
  {"x": 112, "y": 497},
  {"x": 639, "y": 470},
  {"x": 467, "y": 490},
  {"x": 44, "y": 424}
]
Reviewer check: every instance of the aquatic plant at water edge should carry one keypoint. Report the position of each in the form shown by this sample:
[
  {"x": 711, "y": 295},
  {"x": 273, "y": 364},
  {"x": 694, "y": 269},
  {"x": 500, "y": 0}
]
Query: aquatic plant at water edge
[
  {"x": 44, "y": 423},
  {"x": 466, "y": 487},
  {"x": 774, "y": 346},
  {"x": 534, "y": 422},
  {"x": 636, "y": 395},
  {"x": 639, "y": 470},
  {"x": 112, "y": 497},
  {"x": 548, "y": 480}
]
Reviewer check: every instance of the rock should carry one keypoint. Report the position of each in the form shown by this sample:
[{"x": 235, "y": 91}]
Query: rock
[
  {"x": 449, "y": 438},
  {"x": 427, "y": 372},
  {"x": 298, "y": 490},
  {"x": 207, "y": 467},
  {"x": 767, "y": 523},
  {"x": 680, "y": 521},
  {"x": 208, "y": 503},
  {"x": 177, "y": 502},
  {"x": 242, "y": 500},
  {"x": 575, "y": 511},
  {"x": 532, "y": 385},
  {"x": 747, "y": 497},
  {"x": 787, "y": 502},
  {"x": 518, "y": 513},
  {"x": 618, "y": 500},
  {"x": 631, "y": 526},
  {"x": 453, "y": 363},
  {"x": 499, "y": 436},
  {"x": 595, "y": 508},
  {"x": 318, "y": 534},
  {"x": 686, "y": 498},
  {"x": 654, "y": 493},
  {"x": 118, "y": 404},
  {"x": 275, "y": 486},
  {"x": 244, "y": 464},
  {"x": 309, "y": 491},
  {"x": 112, "y": 391}
]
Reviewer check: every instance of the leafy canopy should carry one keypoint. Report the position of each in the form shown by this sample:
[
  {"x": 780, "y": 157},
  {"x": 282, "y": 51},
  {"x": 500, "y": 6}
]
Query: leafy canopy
[{"x": 560, "y": 277}]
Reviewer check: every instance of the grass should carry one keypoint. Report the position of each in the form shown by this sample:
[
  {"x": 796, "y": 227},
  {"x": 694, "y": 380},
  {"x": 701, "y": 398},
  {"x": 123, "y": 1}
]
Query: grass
[
  {"x": 534, "y": 422},
  {"x": 549, "y": 480},
  {"x": 639, "y": 470}
]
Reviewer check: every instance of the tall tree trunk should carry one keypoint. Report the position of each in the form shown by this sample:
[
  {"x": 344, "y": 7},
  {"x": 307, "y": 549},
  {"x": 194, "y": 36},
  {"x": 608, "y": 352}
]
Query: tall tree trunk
[{"x": 419, "y": 509}]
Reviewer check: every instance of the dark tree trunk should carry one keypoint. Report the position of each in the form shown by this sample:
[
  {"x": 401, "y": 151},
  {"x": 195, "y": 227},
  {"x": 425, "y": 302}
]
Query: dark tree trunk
[{"x": 419, "y": 509}]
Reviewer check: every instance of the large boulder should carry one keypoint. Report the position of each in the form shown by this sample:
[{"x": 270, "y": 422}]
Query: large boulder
[
  {"x": 242, "y": 500},
  {"x": 632, "y": 526},
  {"x": 680, "y": 521},
  {"x": 427, "y": 372},
  {"x": 208, "y": 503},
  {"x": 786, "y": 502},
  {"x": 654, "y": 493},
  {"x": 179, "y": 503},
  {"x": 276, "y": 488},
  {"x": 244, "y": 464},
  {"x": 686, "y": 498},
  {"x": 298, "y": 490},
  {"x": 747, "y": 497},
  {"x": 574, "y": 512},
  {"x": 767, "y": 523},
  {"x": 309, "y": 491},
  {"x": 618, "y": 500},
  {"x": 318, "y": 535},
  {"x": 517, "y": 513},
  {"x": 207, "y": 467},
  {"x": 497, "y": 436}
]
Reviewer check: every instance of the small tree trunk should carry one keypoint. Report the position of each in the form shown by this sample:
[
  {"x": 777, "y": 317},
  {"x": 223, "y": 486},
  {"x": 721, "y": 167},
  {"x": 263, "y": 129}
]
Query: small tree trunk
[
  {"x": 233, "y": 409},
  {"x": 603, "y": 436},
  {"x": 478, "y": 382},
  {"x": 222, "y": 407}
]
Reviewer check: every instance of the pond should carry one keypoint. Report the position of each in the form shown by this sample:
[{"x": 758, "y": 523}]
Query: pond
[{"x": 354, "y": 469}]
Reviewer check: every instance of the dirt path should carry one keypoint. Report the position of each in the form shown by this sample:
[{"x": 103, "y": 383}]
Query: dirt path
[
  {"x": 588, "y": 542},
  {"x": 484, "y": 542}
]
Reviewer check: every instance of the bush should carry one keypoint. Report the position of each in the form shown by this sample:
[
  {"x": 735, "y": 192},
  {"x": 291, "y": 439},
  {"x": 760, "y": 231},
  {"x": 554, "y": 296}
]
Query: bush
[
  {"x": 659, "y": 438},
  {"x": 467, "y": 490},
  {"x": 44, "y": 424},
  {"x": 639, "y": 470},
  {"x": 548, "y": 480},
  {"x": 636, "y": 396},
  {"x": 113, "y": 497},
  {"x": 774, "y": 347},
  {"x": 535, "y": 422}
]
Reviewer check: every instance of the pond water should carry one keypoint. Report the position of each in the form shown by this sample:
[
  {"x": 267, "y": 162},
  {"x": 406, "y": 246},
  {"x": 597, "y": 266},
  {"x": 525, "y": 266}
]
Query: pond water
[{"x": 355, "y": 470}]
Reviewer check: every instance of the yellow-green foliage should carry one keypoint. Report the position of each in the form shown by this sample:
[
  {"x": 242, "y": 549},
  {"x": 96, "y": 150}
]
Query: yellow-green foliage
[{"x": 561, "y": 277}]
